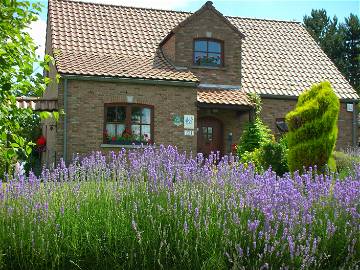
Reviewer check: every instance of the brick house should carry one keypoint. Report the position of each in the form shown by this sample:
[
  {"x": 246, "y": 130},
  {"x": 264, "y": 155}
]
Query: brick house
[{"x": 130, "y": 75}]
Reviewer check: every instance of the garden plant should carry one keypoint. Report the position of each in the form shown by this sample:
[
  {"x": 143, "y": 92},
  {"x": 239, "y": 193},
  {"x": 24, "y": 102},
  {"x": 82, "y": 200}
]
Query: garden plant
[
  {"x": 156, "y": 208},
  {"x": 313, "y": 128}
]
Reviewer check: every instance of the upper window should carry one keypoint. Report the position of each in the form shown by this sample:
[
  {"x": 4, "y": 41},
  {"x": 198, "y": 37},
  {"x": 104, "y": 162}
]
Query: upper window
[
  {"x": 128, "y": 124},
  {"x": 208, "y": 52}
]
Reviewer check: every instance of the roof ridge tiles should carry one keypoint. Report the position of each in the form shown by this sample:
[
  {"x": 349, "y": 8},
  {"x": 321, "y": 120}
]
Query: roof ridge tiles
[
  {"x": 261, "y": 19},
  {"x": 122, "y": 6},
  {"x": 170, "y": 10}
]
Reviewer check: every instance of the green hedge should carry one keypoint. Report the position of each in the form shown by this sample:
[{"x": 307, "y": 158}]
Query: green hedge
[{"x": 313, "y": 128}]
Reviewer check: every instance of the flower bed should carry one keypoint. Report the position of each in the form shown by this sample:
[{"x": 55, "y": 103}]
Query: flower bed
[{"x": 157, "y": 208}]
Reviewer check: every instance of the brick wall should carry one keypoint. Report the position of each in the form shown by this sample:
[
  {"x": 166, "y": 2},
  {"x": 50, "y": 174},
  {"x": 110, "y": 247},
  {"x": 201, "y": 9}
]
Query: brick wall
[
  {"x": 86, "y": 113},
  {"x": 277, "y": 108},
  {"x": 169, "y": 49},
  {"x": 208, "y": 24}
]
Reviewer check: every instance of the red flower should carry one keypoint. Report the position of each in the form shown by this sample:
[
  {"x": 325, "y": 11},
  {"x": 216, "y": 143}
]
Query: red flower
[
  {"x": 113, "y": 138},
  {"x": 234, "y": 148},
  {"x": 126, "y": 133},
  {"x": 41, "y": 141}
]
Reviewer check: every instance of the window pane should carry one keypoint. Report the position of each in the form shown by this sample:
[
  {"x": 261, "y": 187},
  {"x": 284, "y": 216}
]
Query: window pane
[
  {"x": 111, "y": 114},
  {"x": 120, "y": 129},
  {"x": 115, "y": 114},
  {"x": 110, "y": 130},
  {"x": 204, "y": 132},
  {"x": 135, "y": 130},
  {"x": 214, "y": 59},
  {"x": 146, "y": 116},
  {"x": 210, "y": 134},
  {"x": 214, "y": 47},
  {"x": 120, "y": 114},
  {"x": 136, "y": 113},
  {"x": 200, "y": 45},
  {"x": 199, "y": 58},
  {"x": 145, "y": 132}
]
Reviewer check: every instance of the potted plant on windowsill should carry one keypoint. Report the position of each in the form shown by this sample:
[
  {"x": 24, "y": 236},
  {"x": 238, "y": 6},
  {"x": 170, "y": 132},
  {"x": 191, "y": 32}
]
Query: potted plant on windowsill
[{"x": 127, "y": 139}]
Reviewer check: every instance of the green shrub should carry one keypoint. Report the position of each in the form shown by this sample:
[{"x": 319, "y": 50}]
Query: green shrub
[
  {"x": 256, "y": 133},
  {"x": 252, "y": 157},
  {"x": 345, "y": 162},
  {"x": 274, "y": 154},
  {"x": 313, "y": 128}
]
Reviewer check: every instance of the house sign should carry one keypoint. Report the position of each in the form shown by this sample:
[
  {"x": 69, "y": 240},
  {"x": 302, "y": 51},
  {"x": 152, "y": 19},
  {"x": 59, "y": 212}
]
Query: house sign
[
  {"x": 177, "y": 121},
  {"x": 189, "y": 121}
]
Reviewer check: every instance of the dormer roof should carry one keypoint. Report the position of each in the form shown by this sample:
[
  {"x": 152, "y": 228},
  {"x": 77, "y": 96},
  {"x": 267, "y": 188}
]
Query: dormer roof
[{"x": 207, "y": 6}]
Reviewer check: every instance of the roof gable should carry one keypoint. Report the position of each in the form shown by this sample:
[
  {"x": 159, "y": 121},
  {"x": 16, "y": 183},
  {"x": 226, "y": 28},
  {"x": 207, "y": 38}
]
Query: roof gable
[{"x": 207, "y": 6}]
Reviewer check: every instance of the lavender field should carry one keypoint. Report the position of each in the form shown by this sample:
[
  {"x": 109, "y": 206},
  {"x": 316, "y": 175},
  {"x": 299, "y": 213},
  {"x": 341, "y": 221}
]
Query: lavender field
[{"x": 158, "y": 209}]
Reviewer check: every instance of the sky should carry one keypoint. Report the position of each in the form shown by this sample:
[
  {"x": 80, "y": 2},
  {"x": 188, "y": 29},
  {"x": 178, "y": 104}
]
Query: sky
[{"x": 263, "y": 9}]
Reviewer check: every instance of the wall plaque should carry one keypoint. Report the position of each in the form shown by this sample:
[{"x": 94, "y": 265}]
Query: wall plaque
[{"x": 189, "y": 121}]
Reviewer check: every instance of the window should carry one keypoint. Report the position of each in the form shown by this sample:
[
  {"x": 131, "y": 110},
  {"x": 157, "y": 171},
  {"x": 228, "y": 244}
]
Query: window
[
  {"x": 281, "y": 125},
  {"x": 208, "y": 52},
  {"x": 128, "y": 124},
  {"x": 207, "y": 133}
]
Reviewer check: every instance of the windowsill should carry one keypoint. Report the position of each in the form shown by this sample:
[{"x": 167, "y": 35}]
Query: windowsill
[
  {"x": 208, "y": 67},
  {"x": 126, "y": 146}
]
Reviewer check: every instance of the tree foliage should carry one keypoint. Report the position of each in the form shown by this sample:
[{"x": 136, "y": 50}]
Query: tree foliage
[
  {"x": 313, "y": 128},
  {"x": 17, "y": 75},
  {"x": 340, "y": 41}
]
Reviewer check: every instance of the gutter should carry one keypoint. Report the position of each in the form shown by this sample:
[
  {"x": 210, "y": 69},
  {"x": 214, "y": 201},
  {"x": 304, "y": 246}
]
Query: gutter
[
  {"x": 65, "y": 119},
  {"x": 285, "y": 97},
  {"x": 130, "y": 80}
]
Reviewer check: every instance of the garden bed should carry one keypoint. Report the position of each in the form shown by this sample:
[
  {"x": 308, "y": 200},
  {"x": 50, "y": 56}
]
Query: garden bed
[{"x": 156, "y": 208}]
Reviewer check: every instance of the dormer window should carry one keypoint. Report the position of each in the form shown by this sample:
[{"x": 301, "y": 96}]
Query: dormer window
[{"x": 208, "y": 52}]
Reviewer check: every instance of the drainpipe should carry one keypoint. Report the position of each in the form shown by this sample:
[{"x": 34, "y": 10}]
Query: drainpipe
[
  {"x": 355, "y": 125},
  {"x": 65, "y": 119}
]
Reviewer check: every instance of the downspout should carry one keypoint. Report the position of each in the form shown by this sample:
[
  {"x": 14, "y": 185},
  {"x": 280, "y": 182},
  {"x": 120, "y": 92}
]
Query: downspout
[
  {"x": 355, "y": 125},
  {"x": 65, "y": 119}
]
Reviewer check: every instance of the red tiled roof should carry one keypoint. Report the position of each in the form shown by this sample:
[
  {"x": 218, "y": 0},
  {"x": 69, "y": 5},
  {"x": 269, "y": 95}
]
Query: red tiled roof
[
  {"x": 225, "y": 97},
  {"x": 278, "y": 58}
]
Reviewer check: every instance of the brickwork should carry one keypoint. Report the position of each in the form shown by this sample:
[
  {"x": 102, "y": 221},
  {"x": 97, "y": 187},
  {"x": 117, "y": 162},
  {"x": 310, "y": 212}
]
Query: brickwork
[
  {"x": 86, "y": 101},
  {"x": 277, "y": 108},
  {"x": 209, "y": 24},
  {"x": 169, "y": 49}
]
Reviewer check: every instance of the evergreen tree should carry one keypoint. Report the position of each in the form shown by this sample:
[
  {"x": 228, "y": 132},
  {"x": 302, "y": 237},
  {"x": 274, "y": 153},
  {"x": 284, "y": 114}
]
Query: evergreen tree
[
  {"x": 351, "y": 30},
  {"x": 340, "y": 42}
]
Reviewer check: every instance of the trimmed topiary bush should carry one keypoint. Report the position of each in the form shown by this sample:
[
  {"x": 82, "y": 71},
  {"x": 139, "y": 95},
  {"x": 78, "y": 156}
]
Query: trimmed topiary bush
[{"x": 313, "y": 128}]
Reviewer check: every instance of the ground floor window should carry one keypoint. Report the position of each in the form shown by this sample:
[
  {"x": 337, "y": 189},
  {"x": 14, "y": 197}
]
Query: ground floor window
[
  {"x": 281, "y": 125},
  {"x": 128, "y": 124}
]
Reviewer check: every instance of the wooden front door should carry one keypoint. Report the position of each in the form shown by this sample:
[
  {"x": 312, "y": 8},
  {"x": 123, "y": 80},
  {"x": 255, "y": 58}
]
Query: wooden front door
[{"x": 209, "y": 136}]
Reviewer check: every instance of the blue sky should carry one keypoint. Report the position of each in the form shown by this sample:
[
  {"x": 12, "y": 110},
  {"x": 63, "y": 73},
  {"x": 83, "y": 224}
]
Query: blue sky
[{"x": 266, "y": 9}]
